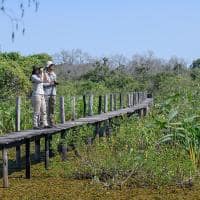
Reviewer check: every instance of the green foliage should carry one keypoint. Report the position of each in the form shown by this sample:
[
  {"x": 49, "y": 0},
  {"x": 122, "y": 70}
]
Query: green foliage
[{"x": 195, "y": 63}]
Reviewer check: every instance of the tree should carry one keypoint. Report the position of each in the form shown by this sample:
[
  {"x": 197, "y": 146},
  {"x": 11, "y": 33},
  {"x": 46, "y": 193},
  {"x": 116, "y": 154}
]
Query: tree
[
  {"x": 195, "y": 64},
  {"x": 16, "y": 18},
  {"x": 72, "y": 57}
]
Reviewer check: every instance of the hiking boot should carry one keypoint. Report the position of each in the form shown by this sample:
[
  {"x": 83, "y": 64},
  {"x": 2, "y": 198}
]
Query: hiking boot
[
  {"x": 47, "y": 126},
  {"x": 36, "y": 128}
]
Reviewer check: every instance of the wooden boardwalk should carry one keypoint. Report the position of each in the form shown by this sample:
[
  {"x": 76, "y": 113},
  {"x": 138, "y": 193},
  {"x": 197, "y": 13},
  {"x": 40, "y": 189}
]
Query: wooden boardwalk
[{"x": 16, "y": 139}]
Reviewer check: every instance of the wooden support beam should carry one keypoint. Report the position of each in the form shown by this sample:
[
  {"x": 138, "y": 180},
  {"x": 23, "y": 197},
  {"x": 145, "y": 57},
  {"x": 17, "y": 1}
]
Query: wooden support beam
[
  {"x": 18, "y": 156},
  {"x": 37, "y": 149},
  {"x": 145, "y": 111},
  {"x": 5, "y": 167},
  {"x": 97, "y": 129},
  {"x": 63, "y": 146},
  {"x": 50, "y": 146},
  {"x": 62, "y": 109},
  {"x": 28, "y": 160},
  {"x": 46, "y": 162}
]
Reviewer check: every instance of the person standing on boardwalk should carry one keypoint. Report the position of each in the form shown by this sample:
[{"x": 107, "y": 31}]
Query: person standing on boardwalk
[
  {"x": 50, "y": 93},
  {"x": 38, "y": 79}
]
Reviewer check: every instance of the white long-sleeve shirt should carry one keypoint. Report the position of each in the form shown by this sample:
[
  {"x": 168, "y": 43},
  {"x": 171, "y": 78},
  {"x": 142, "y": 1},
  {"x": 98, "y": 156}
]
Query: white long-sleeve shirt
[{"x": 38, "y": 85}]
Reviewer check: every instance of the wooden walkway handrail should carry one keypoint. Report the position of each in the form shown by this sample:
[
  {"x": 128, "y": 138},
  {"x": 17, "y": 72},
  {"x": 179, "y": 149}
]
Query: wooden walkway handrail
[{"x": 135, "y": 102}]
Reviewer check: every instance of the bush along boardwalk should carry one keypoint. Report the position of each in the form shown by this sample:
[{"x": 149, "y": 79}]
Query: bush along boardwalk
[{"x": 120, "y": 105}]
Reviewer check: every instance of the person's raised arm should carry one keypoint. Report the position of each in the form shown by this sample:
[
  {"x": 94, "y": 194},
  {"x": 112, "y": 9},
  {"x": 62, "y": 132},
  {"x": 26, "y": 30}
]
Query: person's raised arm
[{"x": 36, "y": 79}]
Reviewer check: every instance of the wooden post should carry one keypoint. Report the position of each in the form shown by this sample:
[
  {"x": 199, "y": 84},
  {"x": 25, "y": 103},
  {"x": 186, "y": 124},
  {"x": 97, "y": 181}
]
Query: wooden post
[
  {"x": 18, "y": 156},
  {"x": 28, "y": 160},
  {"x": 90, "y": 113},
  {"x": 62, "y": 110},
  {"x": 18, "y": 113},
  {"x": 84, "y": 106},
  {"x": 145, "y": 110},
  {"x": 63, "y": 146},
  {"x": 141, "y": 112},
  {"x": 105, "y": 103},
  {"x": 135, "y": 98},
  {"x": 121, "y": 101},
  {"x": 17, "y": 128},
  {"x": 111, "y": 102},
  {"x": 37, "y": 149},
  {"x": 50, "y": 146},
  {"x": 131, "y": 99},
  {"x": 100, "y": 105},
  {"x": 5, "y": 167},
  {"x": 107, "y": 128},
  {"x": 138, "y": 98},
  {"x": 97, "y": 129},
  {"x": 128, "y": 100},
  {"x": 73, "y": 108},
  {"x": 46, "y": 151},
  {"x": 115, "y": 101}
]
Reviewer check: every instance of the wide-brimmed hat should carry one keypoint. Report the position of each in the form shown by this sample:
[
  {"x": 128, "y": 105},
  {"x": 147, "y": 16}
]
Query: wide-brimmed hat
[{"x": 49, "y": 64}]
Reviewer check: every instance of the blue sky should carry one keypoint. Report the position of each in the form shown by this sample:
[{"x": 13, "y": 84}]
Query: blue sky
[{"x": 105, "y": 27}]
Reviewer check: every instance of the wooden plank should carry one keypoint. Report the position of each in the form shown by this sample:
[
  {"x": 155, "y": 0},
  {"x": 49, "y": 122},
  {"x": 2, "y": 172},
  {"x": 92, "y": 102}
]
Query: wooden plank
[
  {"x": 5, "y": 167},
  {"x": 28, "y": 160}
]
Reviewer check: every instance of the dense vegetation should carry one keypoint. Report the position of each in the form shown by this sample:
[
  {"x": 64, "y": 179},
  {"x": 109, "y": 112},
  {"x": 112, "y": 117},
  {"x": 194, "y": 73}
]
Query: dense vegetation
[{"x": 160, "y": 149}]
